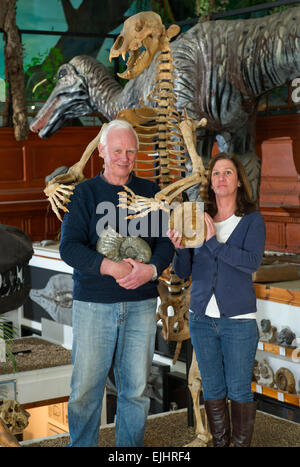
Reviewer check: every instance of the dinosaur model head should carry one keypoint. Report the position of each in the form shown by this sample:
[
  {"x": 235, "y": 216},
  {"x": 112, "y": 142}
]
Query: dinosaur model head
[
  {"x": 142, "y": 31},
  {"x": 15, "y": 252},
  {"x": 69, "y": 99}
]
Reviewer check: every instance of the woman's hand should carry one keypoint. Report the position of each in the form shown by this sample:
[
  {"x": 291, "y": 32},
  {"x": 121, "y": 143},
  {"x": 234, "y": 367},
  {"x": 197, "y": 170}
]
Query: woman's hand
[
  {"x": 210, "y": 226},
  {"x": 175, "y": 239}
]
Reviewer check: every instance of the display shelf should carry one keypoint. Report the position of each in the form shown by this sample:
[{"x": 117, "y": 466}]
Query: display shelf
[
  {"x": 277, "y": 294},
  {"x": 289, "y": 352},
  {"x": 280, "y": 304},
  {"x": 40, "y": 385},
  {"x": 48, "y": 257},
  {"x": 293, "y": 399}
]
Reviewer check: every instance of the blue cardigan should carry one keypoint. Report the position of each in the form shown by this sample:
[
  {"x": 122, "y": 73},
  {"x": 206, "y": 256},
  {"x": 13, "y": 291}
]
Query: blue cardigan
[
  {"x": 81, "y": 229},
  {"x": 225, "y": 269}
]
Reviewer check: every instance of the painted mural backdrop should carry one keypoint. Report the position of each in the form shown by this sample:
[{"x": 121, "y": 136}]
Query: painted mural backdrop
[{"x": 43, "y": 54}]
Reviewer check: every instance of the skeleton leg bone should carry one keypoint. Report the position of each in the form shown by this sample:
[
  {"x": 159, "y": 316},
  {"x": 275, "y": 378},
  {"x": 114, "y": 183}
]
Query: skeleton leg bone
[{"x": 203, "y": 436}]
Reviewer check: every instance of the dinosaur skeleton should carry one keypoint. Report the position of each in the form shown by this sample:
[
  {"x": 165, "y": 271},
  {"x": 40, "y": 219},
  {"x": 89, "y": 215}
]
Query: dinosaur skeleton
[
  {"x": 225, "y": 68},
  {"x": 173, "y": 133},
  {"x": 173, "y": 137}
]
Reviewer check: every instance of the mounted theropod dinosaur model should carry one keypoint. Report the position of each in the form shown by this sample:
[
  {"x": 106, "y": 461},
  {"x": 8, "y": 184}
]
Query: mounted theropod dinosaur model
[{"x": 224, "y": 67}]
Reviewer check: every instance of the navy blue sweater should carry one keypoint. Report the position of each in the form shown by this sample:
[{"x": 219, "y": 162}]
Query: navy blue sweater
[
  {"x": 90, "y": 205},
  {"x": 225, "y": 269}
]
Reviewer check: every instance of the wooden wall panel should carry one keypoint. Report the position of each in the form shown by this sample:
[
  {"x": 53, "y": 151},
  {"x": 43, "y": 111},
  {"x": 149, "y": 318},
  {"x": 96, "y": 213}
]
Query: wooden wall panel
[
  {"x": 282, "y": 228},
  {"x": 13, "y": 168},
  {"x": 23, "y": 168},
  {"x": 280, "y": 180}
]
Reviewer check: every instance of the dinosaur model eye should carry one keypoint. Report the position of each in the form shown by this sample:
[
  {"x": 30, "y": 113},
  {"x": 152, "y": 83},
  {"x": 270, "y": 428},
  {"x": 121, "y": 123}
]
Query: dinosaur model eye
[{"x": 61, "y": 73}]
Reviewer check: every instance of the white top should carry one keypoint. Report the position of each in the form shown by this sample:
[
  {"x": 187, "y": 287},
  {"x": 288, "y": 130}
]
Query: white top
[{"x": 223, "y": 230}]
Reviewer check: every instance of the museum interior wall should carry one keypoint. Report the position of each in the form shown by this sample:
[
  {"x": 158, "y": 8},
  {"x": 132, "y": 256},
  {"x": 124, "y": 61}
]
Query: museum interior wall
[{"x": 24, "y": 165}]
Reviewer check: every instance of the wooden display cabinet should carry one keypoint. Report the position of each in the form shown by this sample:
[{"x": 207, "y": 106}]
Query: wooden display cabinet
[
  {"x": 280, "y": 305},
  {"x": 58, "y": 419}
]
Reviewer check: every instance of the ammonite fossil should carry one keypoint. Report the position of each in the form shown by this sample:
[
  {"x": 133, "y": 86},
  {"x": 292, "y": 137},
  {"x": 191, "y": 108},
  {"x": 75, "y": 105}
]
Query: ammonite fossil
[
  {"x": 285, "y": 380},
  {"x": 188, "y": 220},
  {"x": 116, "y": 247},
  {"x": 286, "y": 337},
  {"x": 263, "y": 373},
  {"x": 268, "y": 332},
  {"x": 265, "y": 325}
]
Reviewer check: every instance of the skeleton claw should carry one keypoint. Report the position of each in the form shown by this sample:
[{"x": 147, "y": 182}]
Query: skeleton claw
[
  {"x": 54, "y": 209},
  {"x": 56, "y": 192},
  {"x": 139, "y": 204}
]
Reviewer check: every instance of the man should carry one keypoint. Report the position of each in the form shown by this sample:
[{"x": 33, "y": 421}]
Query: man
[{"x": 114, "y": 319}]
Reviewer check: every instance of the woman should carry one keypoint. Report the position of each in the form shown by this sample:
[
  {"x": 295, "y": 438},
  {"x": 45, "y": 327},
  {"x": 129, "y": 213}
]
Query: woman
[{"x": 222, "y": 320}]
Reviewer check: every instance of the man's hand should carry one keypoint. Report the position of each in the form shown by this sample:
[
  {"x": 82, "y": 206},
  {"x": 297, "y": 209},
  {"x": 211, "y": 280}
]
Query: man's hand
[
  {"x": 140, "y": 274},
  {"x": 115, "y": 269}
]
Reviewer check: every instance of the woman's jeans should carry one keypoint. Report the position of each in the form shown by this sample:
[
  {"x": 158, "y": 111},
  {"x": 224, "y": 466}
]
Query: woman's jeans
[
  {"x": 225, "y": 350},
  {"x": 118, "y": 333}
]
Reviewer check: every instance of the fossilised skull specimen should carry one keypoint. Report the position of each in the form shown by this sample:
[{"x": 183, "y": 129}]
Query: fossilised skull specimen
[
  {"x": 143, "y": 30},
  {"x": 15, "y": 418}
]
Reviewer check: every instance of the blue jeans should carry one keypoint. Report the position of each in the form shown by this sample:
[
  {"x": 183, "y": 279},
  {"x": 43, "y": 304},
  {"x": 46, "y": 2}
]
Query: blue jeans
[
  {"x": 225, "y": 351},
  {"x": 122, "y": 334}
]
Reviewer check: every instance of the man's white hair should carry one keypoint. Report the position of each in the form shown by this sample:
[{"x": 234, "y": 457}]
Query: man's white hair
[{"x": 117, "y": 124}]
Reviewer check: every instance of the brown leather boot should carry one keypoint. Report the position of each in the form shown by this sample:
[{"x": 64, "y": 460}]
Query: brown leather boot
[
  {"x": 242, "y": 419},
  {"x": 218, "y": 419}
]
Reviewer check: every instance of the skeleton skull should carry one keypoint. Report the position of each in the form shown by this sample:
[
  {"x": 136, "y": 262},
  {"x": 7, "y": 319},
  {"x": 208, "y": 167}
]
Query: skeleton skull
[
  {"x": 15, "y": 418},
  {"x": 145, "y": 30}
]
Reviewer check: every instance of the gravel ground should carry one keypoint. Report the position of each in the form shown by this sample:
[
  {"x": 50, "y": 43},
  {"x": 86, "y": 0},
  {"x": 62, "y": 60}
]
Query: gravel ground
[{"x": 171, "y": 430}]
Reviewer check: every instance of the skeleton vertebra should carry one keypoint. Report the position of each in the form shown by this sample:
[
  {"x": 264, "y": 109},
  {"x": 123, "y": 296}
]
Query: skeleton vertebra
[{"x": 163, "y": 199}]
